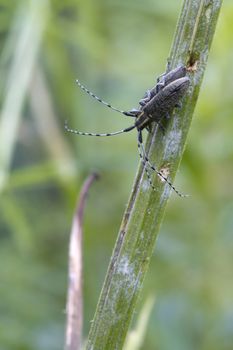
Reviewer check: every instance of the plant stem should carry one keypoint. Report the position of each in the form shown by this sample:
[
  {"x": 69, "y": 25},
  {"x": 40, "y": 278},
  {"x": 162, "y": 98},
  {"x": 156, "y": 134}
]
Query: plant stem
[
  {"x": 74, "y": 306},
  {"x": 145, "y": 210}
]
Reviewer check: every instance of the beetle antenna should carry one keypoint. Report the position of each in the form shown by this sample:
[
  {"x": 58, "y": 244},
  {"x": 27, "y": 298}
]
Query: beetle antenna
[
  {"x": 97, "y": 134},
  {"x": 128, "y": 114}
]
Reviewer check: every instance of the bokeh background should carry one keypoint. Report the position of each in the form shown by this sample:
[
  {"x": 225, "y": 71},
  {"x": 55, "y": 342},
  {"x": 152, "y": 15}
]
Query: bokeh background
[{"x": 116, "y": 48}]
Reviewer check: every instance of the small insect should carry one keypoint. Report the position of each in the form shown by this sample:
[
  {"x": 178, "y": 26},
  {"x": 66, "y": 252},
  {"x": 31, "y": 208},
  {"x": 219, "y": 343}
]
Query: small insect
[{"x": 157, "y": 104}]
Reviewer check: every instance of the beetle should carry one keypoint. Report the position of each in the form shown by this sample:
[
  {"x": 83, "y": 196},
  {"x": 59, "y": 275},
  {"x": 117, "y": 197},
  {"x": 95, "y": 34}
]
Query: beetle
[
  {"x": 157, "y": 104},
  {"x": 162, "y": 81}
]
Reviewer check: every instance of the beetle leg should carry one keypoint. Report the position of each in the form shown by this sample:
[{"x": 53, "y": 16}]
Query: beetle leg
[{"x": 146, "y": 162}]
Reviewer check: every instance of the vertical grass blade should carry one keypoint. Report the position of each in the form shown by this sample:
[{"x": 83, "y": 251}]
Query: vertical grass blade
[
  {"x": 26, "y": 37},
  {"x": 145, "y": 210}
]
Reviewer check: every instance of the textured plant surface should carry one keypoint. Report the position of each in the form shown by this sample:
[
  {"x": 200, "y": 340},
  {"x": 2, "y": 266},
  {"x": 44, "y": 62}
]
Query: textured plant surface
[{"x": 146, "y": 207}]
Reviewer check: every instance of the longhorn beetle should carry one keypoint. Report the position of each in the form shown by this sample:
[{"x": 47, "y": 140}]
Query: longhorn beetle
[{"x": 157, "y": 103}]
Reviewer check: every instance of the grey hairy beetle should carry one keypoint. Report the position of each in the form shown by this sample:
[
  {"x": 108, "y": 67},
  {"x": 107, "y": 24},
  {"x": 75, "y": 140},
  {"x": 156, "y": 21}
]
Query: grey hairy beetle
[{"x": 157, "y": 104}]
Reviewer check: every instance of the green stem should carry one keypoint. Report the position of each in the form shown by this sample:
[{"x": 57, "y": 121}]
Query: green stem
[{"x": 145, "y": 210}]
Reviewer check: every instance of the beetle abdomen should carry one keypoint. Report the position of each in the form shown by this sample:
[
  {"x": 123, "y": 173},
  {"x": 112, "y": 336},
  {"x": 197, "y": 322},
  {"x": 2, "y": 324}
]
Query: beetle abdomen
[{"x": 167, "y": 98}]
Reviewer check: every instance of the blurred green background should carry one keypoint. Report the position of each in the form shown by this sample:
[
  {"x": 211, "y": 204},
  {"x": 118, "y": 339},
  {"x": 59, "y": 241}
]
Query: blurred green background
[{"x": 116, "y": 48}]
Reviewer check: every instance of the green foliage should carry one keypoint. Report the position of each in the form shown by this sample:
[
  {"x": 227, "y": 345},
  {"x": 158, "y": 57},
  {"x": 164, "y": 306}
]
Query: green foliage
[{"x": 111, "y": 47}]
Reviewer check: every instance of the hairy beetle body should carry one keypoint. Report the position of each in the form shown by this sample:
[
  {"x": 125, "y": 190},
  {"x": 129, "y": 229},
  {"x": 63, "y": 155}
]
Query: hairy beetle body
[
  {"x": 162, "y": 81},
  {"x": 162, "y": 103},
  {"x": 166, "y": 99},
  {"x": 157, "y": 104}
]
